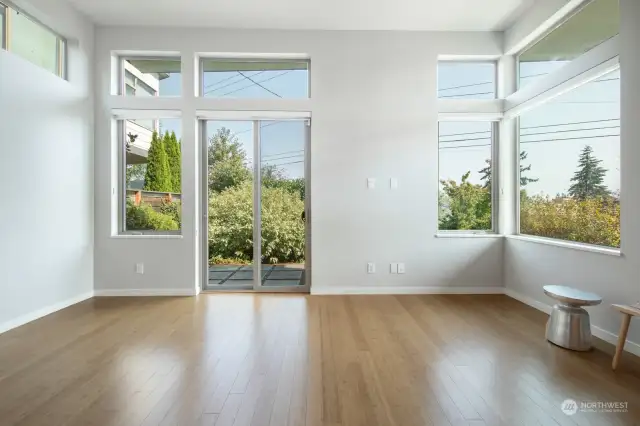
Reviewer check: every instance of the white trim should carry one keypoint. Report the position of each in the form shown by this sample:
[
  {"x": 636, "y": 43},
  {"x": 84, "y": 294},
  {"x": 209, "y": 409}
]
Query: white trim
[
  {"x": 598, "y": 332},
  {"x": 454, "y": 234},
  {"x": 135, "y": 292},
  {"x": 253, "y": 115},
  {"x": 609, "y": 251},
  {"x": 468, "y": 58},
  {"x": 147, "y": 236},
  {"x": 153, "y": 114},
  {"x": 32, "y": 316},
  {"x": 470, "y": 116},
  {"x": 472, "y": 107},
  {"x": 154, "y": 103},
  {"x": 239, "y": 104},
  {"x": 600, "y": 60},
  {"x": 254, "y": 56},
  {"x": 329, "y": 290},
  {"x": 544, "y": 28}
]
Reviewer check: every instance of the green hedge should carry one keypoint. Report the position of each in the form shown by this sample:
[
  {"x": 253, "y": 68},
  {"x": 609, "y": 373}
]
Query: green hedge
[
  {"x": 231, "y": 225},
  {"x": 144, "y": 218}
]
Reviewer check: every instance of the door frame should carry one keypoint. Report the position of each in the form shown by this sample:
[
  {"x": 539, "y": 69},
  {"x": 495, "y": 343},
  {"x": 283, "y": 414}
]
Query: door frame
[{"x": 256, "y": 118}]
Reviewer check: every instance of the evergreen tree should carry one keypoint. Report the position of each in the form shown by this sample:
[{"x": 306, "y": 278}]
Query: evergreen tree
[
  {"x": 227, "y": 161},
  {"x": 589, "y": 177},
  {"x": 158, "y": 174},
  {"x": 524, "y": 180},
  {"x": 172, "y": 147}
]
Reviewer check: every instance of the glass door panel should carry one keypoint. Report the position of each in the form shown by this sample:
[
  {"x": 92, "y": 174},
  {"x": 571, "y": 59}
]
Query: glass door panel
[
  {"x": 230, "y": 208},
  {"x": 282, "y": 152}
]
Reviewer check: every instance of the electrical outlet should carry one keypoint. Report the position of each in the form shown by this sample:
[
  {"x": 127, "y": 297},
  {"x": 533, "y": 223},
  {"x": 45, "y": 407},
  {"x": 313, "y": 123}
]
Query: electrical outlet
[
  {"x": 371, "y": 268},
  {"x": 371, "y": 183},
  {"x": 393, "y": 268},
  {"x": 401, "y": 268},
  {"x": 139, "y": 268}
]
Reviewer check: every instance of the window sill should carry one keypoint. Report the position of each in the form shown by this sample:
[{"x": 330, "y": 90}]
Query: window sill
[
  {"x": 567, "y": 244},
  {"x": 467, "y": 235},
  {"x": 147, "y": 237}
]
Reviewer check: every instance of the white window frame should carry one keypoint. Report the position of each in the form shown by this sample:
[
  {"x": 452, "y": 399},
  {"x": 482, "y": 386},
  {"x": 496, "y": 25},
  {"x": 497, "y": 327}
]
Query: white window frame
[
  {"x": 61, "y": 42},
  {"x": 591, "y": 65},
  {"x": 249, "y": 58},
  {"x": 495, "y": 176},
  {"x": 121, "y": 117},
  {"x": 444, "y": 59}
]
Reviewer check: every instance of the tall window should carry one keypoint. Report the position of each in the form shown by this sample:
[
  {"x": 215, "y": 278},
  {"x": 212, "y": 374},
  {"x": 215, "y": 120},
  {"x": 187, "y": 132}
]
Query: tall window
[
  {"x": 465, "y": 200},
  {"x": 596, "y": 22},
  {"x": 570, "y": 165},
  {"x": 253, "y": 78},
  {"x": 29, "y": 39},
  {"x": 151, "y": 189},
  {"x": 151, "y": 77},
  {"x": 466, "y": 80}
]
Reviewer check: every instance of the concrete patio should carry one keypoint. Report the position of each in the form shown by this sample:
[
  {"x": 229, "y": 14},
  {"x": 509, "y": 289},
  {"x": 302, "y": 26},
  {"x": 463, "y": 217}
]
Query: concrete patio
[{"x": 238, "y": 276}]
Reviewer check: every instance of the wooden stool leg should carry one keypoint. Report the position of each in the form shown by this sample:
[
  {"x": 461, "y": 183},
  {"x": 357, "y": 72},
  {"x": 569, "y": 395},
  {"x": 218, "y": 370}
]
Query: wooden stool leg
[{"x": 622, "y": 338}]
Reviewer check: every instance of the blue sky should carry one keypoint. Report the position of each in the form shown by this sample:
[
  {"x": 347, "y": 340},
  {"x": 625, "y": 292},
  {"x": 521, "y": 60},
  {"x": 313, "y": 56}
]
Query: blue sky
[{"x": 464, "y": 146}]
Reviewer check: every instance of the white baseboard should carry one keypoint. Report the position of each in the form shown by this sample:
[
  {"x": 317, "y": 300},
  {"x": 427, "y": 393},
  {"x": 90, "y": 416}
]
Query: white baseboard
[
  {"x": 405, "y": 290},
  {"x": 129, "y": 292},
  {"x": 32, "y": 316},
  {"x": 600, "y": 333}
]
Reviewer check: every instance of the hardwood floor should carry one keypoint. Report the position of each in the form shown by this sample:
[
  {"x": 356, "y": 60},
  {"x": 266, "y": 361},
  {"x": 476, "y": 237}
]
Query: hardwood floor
[{"x": 289, "y": 360}]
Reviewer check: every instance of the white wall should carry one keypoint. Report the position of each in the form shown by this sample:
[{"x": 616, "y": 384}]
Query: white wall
[
  {"x": 374, "y": 115},
  {"x": 529, "y": 266},
  {"x": 46, "y": 166}
]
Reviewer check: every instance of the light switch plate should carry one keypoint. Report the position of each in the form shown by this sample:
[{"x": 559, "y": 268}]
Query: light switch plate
[
  {"x": 394, "y": 268},
  {"x": 371, "y": 268},
  {"x": 139, "y": 268},
  {"x": 393, "y": 183},
  {"x": 401, "y": 268},
  {"x": 371, "y": 183}
]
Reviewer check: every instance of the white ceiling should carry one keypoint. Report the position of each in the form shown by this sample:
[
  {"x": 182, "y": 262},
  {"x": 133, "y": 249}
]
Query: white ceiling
[{"x": 432, "y": 15}]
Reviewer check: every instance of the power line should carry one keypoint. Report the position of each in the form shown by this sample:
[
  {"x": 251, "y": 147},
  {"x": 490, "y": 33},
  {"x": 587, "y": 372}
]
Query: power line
[
  {"x": 572, "y": 130},
  {"x": 483, "y": 83},
  {"x": 284, "y": 164},
  {"x": 567, "y": 124},
  {"x": 463, "y": 146},
  {"x": 264, "y": 160},
  {"x": 258, "y": 84},
  {"x": 283, "y": 153},
  {"x": 232, "y": 83},
  {"x": 467, "y": 94},
  {"x": 261, "y": 126},
  {"x": 467, "y": 133},
  {"x": 261, "y": 81},
  {"x": 466, "y": 139},
  {"x": 537, "y": 141}
]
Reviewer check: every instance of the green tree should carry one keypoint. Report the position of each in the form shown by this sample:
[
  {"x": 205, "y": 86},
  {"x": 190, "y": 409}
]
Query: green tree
[
  {"x": 524, "y": 180},
  {"x": 589, "y": 177},
  {"x": 136, "y": 172},
  {"x": 158, "y": 173},
  {"x": 227, "y": 161},
  {"x": 469, "y": 205},
  {"x": 172, "y": 147}
]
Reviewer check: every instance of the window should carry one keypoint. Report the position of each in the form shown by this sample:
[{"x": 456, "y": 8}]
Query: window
[
  {"x": 593, "y": 24},
  {"x": 32, "y": 41},
  {"x": 465, "y": 199},
  {"x": 466, "y": 80},
  {"x": 151, "y": 177},
  {"x": 232, "y": 78},
  {"x": 570, "y": 165},
  {"x": 152, "y": 77}
]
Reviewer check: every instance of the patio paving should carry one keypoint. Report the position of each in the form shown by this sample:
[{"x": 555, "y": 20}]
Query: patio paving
[{"x": 287, "y": 275}]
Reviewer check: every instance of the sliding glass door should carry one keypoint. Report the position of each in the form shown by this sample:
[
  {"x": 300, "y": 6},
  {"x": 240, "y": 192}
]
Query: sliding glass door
[{"x": 255, "y": 186}]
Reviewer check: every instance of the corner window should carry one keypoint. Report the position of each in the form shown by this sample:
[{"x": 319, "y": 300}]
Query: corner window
[
  {"x": 570, "y": 165},
  {"x": 596, "y": 22},
  {"x": 29, "y": 39},
  {"x": 151, "y": 77},
  {"x": 466, "y": 80},
  {"x": 248, "y": 78},
  {"x": 151, "y": 176},
  {"x": 465, "y": 153}
]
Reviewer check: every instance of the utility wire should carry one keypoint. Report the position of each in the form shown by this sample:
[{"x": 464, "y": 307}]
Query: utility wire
[
  {"x": 232, "y": 83},
  {"x": 261, "y": 81},
  {"x": 264, "y": 160},
  {"x": 258, "y": 84},
  {"x": 537, "y": 141},
  {"x": 467, "y": 94},
  {"x": 572, "y": 130}
]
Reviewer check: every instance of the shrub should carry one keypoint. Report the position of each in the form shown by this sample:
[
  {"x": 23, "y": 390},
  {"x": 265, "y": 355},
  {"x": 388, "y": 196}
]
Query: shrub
[
  {"x": 591, "y": 221},
  {"x": 231, "y": 225},
  {"x": 144, "y": 217},
  {"x": 172, "y": 209}
]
